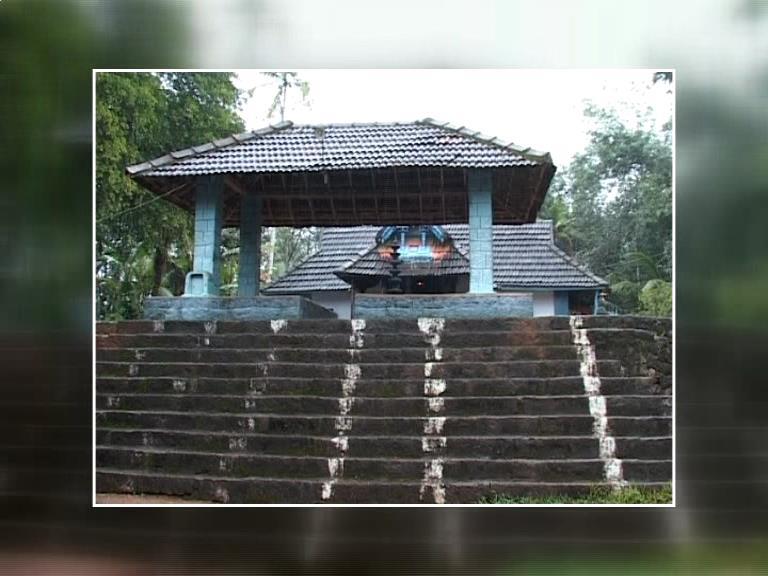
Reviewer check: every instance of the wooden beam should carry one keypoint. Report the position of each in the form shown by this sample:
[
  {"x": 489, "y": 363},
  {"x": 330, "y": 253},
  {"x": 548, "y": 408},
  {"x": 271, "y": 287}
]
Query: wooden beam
[
  {"x": 309, "y": 198},
  {"x": 534, "y": 196},
  {"x": 327, "y": 181},
  {"x": 397, "y": 193},
  {"x": 442, "y": 192},
  {"x": 373, "y": 189},
  {"x": 418, "y": 185},
  {"x": 352, "y": 194},
  {"x": 232, "y": 182}
]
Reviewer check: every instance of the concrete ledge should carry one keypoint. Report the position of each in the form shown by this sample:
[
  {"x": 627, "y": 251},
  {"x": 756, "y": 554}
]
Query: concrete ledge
[
  {"x": 443, "y": 306},
  {"x": 236, "y": 308}
]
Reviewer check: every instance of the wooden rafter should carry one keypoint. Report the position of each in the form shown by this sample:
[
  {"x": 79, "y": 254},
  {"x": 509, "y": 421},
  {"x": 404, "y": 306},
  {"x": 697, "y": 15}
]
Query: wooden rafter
[
  {"x": 442, "y": 193},
  {"x": 352, "y": 195},
  {"x": 397, "y": 193}
]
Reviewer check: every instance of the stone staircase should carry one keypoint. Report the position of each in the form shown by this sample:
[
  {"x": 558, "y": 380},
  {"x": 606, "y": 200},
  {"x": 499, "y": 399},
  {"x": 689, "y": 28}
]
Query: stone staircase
[{"x": 377, "y": 411}]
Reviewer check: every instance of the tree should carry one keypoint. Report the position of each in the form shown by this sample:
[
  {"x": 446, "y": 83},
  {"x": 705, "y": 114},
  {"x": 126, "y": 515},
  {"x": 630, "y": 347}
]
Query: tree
[
  {"x": 293, "y": 238},
  {"x": 613, "y": 207},
  {"x": 143, "y": 244}
]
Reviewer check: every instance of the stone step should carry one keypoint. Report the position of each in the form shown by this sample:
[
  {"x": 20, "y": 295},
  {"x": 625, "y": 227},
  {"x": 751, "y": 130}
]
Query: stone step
[
  {"x": 639, "y": 405},
  {"x": 647, "y": 470},
  {"x": 506, "y": 447},
  {"x": 328, "y": 326},
  {"x": 447, "y": 405},
  {"x": 359, "y": 406},
  {"x": 563, "y": 385},
  {"x": 652, "y": 448},
  {"x": 325, "y": 340},
  {"x": 518, "y": 369},
  {"x": 551, "y": 425},
  {"x": 334, "y": 355},
  {"x": 238, "y": 464},
  {"x": 310, "y": 491}
]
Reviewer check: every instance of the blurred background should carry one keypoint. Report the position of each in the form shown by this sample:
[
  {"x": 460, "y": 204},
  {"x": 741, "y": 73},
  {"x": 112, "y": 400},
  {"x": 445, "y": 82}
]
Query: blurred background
[{"x": 719, "y": 50}]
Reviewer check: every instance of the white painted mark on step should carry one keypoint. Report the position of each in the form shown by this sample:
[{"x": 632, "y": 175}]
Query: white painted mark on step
[
  {"x": 436, "y": 405},
  {"x": 222, "y": 495},
  {"x": 345, "y": 405},
  {"x": 357, "y": 339},
  {"x": 179, "y": 385},
  {"x": 434, "y": 386},
  {"x": 158, "y": 326},
  {"x": 343, "y": 424},
  {"x": 433, "y": 354},
  {"x": 335, "y": 467},
  {"x": 210, "y": 327},
  {"x": 433, "y": 440},
  {"x": 140, "y": 355},
  {"x": 133, "y": 369},
  {"x": 278, "y": 325},
  {"x": 433, "y": 443},
  {"x": 433, "y": 479},
  {"x": 237, "y": 443},
  {"x": 612, "y": 466},
  {"x": 341, "y": 443},
  {"x": 432, "y": 328},
  {"x": 434, "y": 424}
]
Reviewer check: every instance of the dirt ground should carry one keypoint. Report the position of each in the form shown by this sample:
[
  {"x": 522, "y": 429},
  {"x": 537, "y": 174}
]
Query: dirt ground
[{"x": 145, "y": 499}]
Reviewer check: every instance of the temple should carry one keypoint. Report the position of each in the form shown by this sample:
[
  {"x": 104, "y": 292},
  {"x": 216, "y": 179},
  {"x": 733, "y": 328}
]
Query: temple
[
  {"x": 418, "y": 218},
  {"x": 433, "y": 260}
]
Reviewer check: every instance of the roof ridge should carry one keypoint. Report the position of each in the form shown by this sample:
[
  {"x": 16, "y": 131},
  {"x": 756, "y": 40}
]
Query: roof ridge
[
  {"x": 526, "y": 152},
  {"x": 200, "y": 149}
]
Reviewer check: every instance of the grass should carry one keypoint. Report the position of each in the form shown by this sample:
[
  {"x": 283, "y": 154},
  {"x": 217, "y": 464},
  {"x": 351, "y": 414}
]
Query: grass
[{"x": 598, "y": 495}]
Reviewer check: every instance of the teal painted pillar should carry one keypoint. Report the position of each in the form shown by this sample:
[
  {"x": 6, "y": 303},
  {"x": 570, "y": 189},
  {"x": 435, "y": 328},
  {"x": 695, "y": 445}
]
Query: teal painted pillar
[
  {"x": 206, "y": 270},
  {"x": 480, "y": 189},
  {"x": 250, "y": 246}
]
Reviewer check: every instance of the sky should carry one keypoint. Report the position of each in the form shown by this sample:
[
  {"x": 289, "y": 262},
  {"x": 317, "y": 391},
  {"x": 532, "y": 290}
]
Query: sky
[{"x": 540, "y": 109}]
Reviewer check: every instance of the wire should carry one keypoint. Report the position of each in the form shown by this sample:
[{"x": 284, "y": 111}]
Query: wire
[{"x": 143, "y": 204}]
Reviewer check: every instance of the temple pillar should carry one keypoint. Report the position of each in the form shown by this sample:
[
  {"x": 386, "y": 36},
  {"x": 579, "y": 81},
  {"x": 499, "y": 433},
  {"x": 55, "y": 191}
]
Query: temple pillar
[
  {"x": 250, "y": 246},
  {"x": 480, "y": 190},
  {"x": 205, "y": 276}
]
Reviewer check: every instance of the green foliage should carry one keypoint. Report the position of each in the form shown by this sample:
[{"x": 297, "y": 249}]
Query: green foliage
[
  {"x": 612, "y": 208},
  {"x": 143, "y": 244},
  {"x": 292, "y": 246},
  {"x": 597, "y": 495},
  {"x": 656, "y": 298}
]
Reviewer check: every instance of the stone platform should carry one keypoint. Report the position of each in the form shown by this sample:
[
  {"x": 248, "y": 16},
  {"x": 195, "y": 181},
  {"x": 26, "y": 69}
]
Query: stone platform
[
  {"x": 382, "y": 306},
  {"x": 234, "y": 308}
]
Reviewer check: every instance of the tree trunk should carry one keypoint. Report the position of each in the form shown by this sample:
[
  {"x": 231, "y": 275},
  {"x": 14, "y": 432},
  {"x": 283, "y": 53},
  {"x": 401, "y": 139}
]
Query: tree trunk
[{"x": 160, "y": 263}]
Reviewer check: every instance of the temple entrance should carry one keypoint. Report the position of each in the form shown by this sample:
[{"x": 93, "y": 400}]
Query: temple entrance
[{"x": 410, "y": 260}]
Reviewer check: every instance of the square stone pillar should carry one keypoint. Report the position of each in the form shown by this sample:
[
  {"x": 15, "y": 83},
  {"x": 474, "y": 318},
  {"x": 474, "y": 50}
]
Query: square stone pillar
[
  {"x": 480, "y": 189},
  {"x": 205, "y": 276},
  {"x": 250, "y": 246}
]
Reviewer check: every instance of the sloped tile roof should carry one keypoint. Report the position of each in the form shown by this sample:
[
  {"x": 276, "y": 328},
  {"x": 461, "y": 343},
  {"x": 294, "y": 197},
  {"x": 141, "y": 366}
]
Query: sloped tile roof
[
  {"x": 287, "y": 147},
  {"x": 525, "y": 257},
  {"x": 372, "y": 264}
]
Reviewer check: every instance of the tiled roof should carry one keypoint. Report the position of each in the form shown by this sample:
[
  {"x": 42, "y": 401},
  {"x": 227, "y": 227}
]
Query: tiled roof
[
  {"x": 287, "y": 147},
  {"x": 524, "y": 257},
  {"x": 372, "y": 264}
]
